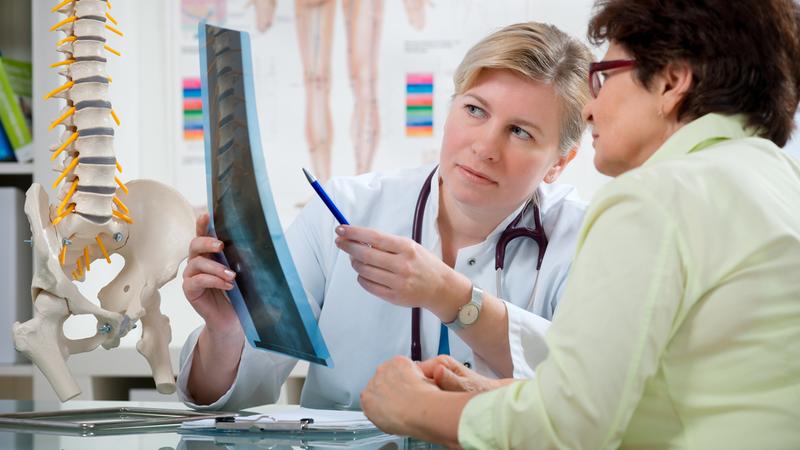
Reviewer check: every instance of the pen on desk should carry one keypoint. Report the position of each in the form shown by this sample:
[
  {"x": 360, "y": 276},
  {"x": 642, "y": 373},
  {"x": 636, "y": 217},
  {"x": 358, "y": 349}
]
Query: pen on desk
[{"x": 324, "y": 196}]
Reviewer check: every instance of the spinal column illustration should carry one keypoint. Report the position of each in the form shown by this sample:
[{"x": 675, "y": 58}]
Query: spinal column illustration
[{"x": 149, "y": 224}]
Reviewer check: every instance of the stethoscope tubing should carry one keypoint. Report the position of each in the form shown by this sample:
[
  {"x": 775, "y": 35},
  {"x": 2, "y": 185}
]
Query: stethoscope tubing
[{"x": 509, "y": 234}]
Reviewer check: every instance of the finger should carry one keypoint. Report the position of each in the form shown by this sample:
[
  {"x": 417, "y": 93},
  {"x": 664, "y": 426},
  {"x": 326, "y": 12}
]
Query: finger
[
  {"x": 376, "y": 289},
  {"x": 430, "y": 381},
  {"x": 385, "y": 241},
  {"x": 429, "y": 366},
  {"x": 201, "y": 226},
  {"x": 194, "y": 287},
  {"x": 370, "y": 255},
  {"x": 453, "y": 365},
  {"x": 204, "y": 245},
  {"x": 449, "y": 381},
  {"x": 200, "y": 265},
  {"x": 448, "y": 362},
  {"x": 374, "y": 274}
]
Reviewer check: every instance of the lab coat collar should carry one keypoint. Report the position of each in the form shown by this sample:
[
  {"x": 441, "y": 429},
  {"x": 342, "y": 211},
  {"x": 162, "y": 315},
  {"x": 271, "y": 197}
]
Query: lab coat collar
[
  {"x": 551, "y": 195},
  {"x": 432, "y": 214}
]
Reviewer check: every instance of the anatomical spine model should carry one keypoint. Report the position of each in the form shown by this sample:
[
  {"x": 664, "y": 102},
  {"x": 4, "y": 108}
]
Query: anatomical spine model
[{"x": 96, "y": 215}]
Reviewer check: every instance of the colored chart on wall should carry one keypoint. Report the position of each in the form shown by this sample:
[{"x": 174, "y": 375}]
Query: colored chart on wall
[
  {"x": 192, "y": 110},
  {"x": 419, "y": 104}
]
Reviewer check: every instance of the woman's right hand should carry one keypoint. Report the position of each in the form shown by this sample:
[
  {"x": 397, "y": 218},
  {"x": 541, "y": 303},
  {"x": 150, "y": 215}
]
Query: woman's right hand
[{"x": 205, "y": 282}]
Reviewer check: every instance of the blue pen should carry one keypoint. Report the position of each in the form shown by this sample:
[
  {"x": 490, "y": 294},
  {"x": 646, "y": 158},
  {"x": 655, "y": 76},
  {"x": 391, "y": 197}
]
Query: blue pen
[{"x": 324, "y": 196}]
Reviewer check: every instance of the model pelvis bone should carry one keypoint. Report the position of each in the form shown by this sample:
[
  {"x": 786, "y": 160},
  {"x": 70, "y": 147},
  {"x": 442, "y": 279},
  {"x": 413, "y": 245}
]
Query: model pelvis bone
[
  {"x": 153, "y": 248},
  {"x": 151, "y": 229}
]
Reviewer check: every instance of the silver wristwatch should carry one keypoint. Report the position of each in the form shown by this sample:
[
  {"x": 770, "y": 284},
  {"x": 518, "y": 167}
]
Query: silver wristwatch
[{"x": 469, "y": 313}]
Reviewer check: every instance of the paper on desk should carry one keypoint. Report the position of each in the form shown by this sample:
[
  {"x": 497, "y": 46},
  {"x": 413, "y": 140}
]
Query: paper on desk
[{"x": 324, "y": 420}]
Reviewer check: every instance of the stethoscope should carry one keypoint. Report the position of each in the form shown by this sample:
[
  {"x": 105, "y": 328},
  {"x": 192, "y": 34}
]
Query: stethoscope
[{"x": 512, "y": 231}]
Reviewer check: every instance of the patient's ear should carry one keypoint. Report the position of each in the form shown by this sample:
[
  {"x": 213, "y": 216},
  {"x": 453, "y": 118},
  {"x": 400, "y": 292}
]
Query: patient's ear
[
  {"x": 552, "y": 175},
  {"x": 672, "y": 85}
]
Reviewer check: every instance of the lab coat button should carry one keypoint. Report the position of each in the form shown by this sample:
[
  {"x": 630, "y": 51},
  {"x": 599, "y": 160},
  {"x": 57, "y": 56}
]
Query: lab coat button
[
  {"x": 467, "y": 365},
  {"x": 471, "y": 261}
]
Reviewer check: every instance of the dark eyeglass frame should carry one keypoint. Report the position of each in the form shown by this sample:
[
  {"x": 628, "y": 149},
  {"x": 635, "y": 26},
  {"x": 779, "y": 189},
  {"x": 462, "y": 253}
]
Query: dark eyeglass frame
[{"x": 596, "y": 68}]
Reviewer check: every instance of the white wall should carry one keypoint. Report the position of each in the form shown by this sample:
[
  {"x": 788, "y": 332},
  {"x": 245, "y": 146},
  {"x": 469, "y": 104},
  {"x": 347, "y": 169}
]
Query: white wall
[{"x": 793, "y": 146}]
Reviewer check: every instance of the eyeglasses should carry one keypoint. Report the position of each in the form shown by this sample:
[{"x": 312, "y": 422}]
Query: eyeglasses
[{"x": 597, "y": 68}]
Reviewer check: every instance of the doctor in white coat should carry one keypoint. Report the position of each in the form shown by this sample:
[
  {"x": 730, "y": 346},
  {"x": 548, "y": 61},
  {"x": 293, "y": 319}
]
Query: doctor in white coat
[{"x": 515, "y": 122}]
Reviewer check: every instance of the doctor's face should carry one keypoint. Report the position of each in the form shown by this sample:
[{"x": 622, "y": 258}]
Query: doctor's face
[{"x": 500, "y": 141}]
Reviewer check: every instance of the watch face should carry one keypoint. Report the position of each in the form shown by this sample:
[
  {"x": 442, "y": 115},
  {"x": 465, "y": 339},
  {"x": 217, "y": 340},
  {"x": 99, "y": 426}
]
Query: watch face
[{"x": 468, "y": 314}]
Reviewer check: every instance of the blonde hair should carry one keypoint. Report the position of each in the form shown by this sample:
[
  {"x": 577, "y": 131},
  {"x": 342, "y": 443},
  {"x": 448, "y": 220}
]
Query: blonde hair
[{"x": 542, "y": 53}]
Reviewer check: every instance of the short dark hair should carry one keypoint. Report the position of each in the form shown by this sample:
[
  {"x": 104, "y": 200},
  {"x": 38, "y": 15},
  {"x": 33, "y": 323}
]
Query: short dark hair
[{"x": 744, "y": 54}]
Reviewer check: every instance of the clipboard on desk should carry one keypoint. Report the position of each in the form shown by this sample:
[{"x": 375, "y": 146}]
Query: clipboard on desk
[
  {"x": 296, "y": 420},
  {"x": 262, "y": 422}
]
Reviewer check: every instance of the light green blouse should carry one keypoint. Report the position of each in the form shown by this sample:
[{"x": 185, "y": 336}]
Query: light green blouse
[{"x": 680, "y": 323}]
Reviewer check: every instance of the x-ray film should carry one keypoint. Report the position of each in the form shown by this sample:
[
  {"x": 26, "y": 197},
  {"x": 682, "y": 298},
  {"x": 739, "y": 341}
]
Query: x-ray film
[{"x": 268, "y": 296}]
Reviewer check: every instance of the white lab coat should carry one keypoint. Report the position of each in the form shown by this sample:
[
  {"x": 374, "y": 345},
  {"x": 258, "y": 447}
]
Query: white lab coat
[{"x": 361, "y": 330}]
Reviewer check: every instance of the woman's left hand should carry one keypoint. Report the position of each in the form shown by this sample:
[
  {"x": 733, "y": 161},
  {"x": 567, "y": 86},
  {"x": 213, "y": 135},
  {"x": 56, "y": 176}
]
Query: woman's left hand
[
  {"x": 402, "y": 272},
  {"x": 392, "y": 397}
]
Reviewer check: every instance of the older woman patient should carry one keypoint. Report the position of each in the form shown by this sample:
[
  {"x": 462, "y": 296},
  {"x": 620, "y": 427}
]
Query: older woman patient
[{"x": 680, "y": 322}]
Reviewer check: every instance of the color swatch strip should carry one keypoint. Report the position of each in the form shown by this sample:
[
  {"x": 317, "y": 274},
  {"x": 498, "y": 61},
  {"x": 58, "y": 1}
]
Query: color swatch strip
[
  {"x": 192, "y": 110},
  {"x": 419, "y": 104}
]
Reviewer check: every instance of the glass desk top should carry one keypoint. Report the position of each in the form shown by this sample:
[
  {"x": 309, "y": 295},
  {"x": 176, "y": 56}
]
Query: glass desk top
[{"x": 169, "y": 437}]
